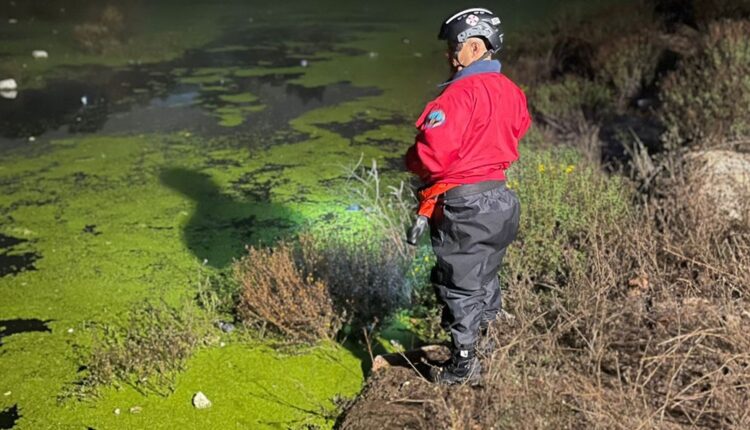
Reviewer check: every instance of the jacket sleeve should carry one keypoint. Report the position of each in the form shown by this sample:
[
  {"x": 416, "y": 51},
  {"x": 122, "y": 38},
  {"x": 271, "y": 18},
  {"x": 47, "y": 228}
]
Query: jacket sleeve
[
  {"x": 522, "y": 120},
  {"x": 440, "y": 131}
]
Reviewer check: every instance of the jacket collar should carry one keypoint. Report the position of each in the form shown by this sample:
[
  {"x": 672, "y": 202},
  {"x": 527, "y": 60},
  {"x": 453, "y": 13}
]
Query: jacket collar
[{"x": 490, "y": 66}]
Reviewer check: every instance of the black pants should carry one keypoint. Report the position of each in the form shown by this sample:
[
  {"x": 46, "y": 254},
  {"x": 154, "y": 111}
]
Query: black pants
[{"x": 470, "y": 233}]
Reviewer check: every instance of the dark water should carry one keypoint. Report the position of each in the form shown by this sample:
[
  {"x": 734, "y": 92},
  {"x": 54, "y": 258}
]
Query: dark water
[
  {"x": 13, "y": 261},
  {"x": 8, "y": 417},
  {"x": 154, "y": 98}
]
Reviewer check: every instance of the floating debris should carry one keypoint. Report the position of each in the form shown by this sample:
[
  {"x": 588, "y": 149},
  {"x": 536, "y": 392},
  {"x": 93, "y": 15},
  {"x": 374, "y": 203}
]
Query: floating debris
[
  {"x": 8, "y": 85},
  {"x": 200, "y": 401},
  {"x": 226, "y": 327}
]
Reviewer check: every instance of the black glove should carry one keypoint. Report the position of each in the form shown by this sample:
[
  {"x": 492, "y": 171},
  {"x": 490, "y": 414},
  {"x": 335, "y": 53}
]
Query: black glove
[{"x": 416, "y": 230}]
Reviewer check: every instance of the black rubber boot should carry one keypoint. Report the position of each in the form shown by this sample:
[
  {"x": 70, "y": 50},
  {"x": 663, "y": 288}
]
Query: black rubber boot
[{"x": 464, "y": 367}]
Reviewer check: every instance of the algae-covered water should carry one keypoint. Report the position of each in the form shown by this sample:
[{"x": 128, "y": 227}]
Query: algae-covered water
[{"x": 127, "y": 173}]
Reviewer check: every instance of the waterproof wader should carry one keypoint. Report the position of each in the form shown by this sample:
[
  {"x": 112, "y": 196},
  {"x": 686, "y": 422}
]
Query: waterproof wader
[{"x": 470, "y": 230}]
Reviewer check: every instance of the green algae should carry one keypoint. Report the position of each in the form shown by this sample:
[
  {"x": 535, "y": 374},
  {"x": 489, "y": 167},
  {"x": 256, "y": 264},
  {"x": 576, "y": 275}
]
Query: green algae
[{"x": 238, "y": 98}]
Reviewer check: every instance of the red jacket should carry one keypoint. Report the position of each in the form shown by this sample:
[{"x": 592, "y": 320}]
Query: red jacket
[{"x": 470, "y": 133}]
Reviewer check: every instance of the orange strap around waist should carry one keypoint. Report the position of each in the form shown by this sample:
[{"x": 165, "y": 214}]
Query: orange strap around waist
[{"x": 428, "y": 198}]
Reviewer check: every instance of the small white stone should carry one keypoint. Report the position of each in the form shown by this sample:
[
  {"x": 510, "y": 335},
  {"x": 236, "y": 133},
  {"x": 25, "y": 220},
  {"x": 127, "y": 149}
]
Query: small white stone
[
  {"x": 32, "y": 139},
  {"x": 117, "y": 411},
  {"x": 39, "y": 54},
  {"x": 372, "y": 54},
  {"x": 222, "y": 344},
  {"x": 136, "y": 410},
  {"x": 7, "y": 393},
  {"x": 200, "y": 401},
  {"x": 12, "y": 21},
  {"x": 304, "y": 63},
  {"x": 70, "y": 330}
]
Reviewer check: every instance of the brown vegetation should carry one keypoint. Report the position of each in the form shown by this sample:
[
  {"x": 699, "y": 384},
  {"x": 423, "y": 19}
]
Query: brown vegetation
[
  {"x": 277, "y": 294},
  {"x": 643, "y": 321},
  {"x": 649, "y": 331},
  {"x": 102, "y": 35}
]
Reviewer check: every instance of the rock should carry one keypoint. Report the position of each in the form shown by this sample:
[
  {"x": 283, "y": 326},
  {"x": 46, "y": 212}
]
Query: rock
[
  {"x": 136, "y": 410},
  {"x": 12, "y": 21},
  {"x": 304, "y": 63},
  {"x": 722, "y": 177},
  {"x": 200, "y": 401},
  {"x": 39, "y": 54},
  {"x": 84, "y": 101},
  {"x": 372, "y": 54},
  {"x": 8, "y": 85},
  {"x": 117, "y": 411},
  {"x": 405, "y": 41},
  {"x": 7, "y": 393},
  {"x": 32, "y": 139}
]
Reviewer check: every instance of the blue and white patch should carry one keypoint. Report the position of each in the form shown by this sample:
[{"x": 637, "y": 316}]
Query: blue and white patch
[{"x": 434, "y": 119}]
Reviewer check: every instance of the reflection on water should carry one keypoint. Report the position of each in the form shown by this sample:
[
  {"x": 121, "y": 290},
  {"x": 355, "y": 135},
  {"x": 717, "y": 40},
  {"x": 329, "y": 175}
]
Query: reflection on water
[{"x": 186, "y": 94}]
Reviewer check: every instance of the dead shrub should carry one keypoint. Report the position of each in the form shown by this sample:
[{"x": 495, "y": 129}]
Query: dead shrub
[
  {"x": 276, "y": 294},
  {"x": 704, "y": 102},
  {"x": 103, "y": 35},
  {"x": 366, "y": 279}
]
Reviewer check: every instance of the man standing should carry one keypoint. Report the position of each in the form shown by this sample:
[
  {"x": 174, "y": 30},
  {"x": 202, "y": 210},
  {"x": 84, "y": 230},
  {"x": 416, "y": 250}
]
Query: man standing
[{"x": 467, "y": 138}]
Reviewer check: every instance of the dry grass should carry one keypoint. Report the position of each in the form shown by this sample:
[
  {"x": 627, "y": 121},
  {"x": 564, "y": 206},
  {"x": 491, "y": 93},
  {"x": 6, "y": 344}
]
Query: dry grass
[
  {"x": 276, "y": 294},
  {"x": 647, "y": 330}
]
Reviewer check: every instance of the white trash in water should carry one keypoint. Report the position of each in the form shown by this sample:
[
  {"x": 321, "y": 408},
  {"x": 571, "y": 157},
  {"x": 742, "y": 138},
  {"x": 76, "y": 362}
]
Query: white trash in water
[
  {"x": 200, "y": 401},
  {"x": 8, "y": 94},
  {"x": 8, "y": 85}
]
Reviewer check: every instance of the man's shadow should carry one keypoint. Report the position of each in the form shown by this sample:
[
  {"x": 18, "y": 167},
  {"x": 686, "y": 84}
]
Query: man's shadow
[{"x": 221, "y": 225}]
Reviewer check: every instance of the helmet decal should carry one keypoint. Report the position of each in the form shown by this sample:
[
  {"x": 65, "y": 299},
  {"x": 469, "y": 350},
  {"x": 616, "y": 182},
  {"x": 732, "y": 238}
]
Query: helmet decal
[
  {"x": 472, "y": 20},
  {"x": 474, "y": 10}
]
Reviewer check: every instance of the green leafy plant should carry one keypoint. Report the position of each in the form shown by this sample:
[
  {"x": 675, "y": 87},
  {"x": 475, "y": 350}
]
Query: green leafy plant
[{"x": 705, "y": 101}]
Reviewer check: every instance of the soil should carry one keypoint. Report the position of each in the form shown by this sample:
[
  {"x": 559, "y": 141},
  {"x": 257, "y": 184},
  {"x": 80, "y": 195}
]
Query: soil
[{"x": 399, "y": 395}]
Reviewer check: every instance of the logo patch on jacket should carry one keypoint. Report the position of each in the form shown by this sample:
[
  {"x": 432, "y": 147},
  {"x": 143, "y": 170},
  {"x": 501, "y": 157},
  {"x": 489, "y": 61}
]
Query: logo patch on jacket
[{"x": 434, "y": 119}]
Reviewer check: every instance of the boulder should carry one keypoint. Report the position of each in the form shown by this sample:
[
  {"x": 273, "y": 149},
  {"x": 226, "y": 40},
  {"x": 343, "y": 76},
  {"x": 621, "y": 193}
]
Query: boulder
[{"x": 722, "y": 178}]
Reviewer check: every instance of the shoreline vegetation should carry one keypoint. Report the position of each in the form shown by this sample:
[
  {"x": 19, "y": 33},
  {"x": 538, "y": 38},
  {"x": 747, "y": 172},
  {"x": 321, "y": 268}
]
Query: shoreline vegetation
[{"x": 629, "y": 282}]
